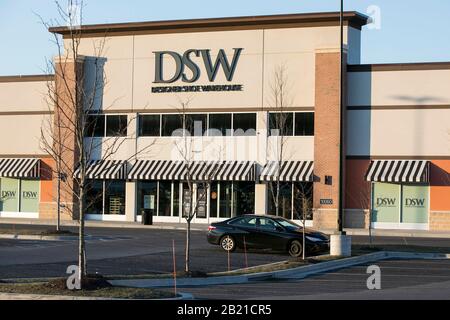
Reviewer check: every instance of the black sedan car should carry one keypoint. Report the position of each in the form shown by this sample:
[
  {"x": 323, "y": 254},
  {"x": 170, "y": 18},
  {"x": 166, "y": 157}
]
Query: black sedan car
[{"x": 266, "y": 232}]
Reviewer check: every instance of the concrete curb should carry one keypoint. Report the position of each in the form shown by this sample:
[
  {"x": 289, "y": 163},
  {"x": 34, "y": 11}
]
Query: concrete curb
[
  {"x": 18, "y": 296},
  {"x": 294, "y": 273},
  {"x": 395, "y": 233},
  {"x": 38, "y": 237}
]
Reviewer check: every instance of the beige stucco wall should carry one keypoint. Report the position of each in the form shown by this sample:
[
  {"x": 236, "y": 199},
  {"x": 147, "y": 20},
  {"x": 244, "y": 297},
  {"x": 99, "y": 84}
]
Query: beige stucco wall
[
  {"x": 129, "y": 66},
  {"x": 21, "y": 134},
  {"x": 396, "y": 125},
  {"x": 411, "y": 132},
  {"x": 23, "y": 96},
  {"x": 386, "y": 88}
]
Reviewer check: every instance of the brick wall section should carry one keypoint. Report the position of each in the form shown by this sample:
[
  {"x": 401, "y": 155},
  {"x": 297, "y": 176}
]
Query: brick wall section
[
  {"x": 439, "y": 221},
  {"x": 68, "y": 74},
  {"x": 326, "y": 138}
]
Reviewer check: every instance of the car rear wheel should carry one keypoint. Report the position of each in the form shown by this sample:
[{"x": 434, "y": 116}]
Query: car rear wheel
[
  {"x": 228, "y": 243},
  {"x": 295, "y": 248}
]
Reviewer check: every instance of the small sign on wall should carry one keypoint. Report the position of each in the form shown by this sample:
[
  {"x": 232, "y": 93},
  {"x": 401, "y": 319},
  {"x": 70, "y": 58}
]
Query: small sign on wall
[{"x": 326, "y": 201}]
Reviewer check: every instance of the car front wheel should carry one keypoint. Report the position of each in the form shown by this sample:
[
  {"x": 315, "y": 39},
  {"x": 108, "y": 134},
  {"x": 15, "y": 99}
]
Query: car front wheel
[
  {"x": 228, "y": 243},
  {"x": 295, "y": 248}
]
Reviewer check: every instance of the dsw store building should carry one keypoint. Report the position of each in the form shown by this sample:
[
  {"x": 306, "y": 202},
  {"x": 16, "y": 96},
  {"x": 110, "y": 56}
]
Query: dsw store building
[{"x": 208, "y": 90}]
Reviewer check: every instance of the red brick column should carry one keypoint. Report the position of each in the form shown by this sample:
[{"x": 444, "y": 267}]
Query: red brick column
[
  {"x": 67, "y": 91},
  {"x": 326, "y": 139}
]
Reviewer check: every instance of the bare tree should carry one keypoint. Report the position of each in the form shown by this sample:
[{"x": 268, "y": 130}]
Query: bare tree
[
  {"x": 302, "y": 193},
  {"x": 193, "y": 200},
  {"x": 279, "y": 120},
  {"x": 69, "y": 137}
]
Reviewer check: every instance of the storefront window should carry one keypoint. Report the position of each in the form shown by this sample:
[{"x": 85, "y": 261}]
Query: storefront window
[
  {"x": 164, "y": 201},
  {"x": 415, "y": 204},
  {"x": 196, "y": 124},
  {"x": 214, "y": 196},
  {"x": 386, "y": 202},
  {"x": 396, "y": 203},
  {"x": 29, "y": 196},
  {"x": 244, "y": 124},
  {"x": 147, "y": 195},
  {"x": 281, "y": 123},
  {"x": 304, "y": 124},
  {"x": 149, "y": 125},
  {"x": 284, "y": 199},
  {"x": 221, "y": 123},
  {"x": 244, "y": 198},
  {"x": 115, "y": 197},
  {"x": 9, "y": 195},
  {"x": 95, "y": 126},
  {"x": 171, "y": 123},
  {"x": 225, "y": 199},
  {"x": 176, "y": 199},
  {"x": 94, "y": 197},
  {"x": 303, "y": 200},
  {"x": 116, "y": 125}
]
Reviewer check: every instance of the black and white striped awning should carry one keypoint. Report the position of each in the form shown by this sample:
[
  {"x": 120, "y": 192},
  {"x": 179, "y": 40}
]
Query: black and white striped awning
[
  {"x": 105, "y": 169},
  {"x": 398, "y": 171},
  {"x": 198, "y": 170},
  {"x": 288, "y": 171},
  {"x": 19, "y": 168}
]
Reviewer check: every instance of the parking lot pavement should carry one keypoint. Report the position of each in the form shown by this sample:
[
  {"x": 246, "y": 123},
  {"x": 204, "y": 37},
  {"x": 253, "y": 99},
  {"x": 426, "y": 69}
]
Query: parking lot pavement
[
  {"x": 400, "y": 279},
  {"x": 117, "y": 251},
  {"x": 122, "y": 252}
]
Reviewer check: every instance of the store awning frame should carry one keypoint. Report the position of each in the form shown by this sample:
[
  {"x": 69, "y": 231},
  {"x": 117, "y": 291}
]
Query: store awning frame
[
  {"x": 104, "y": 170},
  {"x": 288, "y": 171},
  {"x": 408, "y": 171},
  {"x": 198, "y": 170},
  {"x": 20, "y": 168}
]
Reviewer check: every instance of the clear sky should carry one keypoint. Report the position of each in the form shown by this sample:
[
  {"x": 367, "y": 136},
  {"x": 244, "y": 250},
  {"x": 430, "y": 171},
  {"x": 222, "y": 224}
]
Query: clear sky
[{"x": 410, "y": 30}]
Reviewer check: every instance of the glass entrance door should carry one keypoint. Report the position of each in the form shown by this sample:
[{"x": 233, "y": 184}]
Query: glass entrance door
[{"x": 197, "y": 197}]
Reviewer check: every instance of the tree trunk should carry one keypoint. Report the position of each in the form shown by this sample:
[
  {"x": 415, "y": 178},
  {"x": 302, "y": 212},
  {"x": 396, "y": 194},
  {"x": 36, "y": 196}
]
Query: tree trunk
[
  {"x": 188, "y": 246},
  {"x": 81, "y": 241},
  {"x": 58, "y": 202},
  {"x": 304, "y": 238},
  {"x": 304, "y": 208},
  {"x": 277, "y": 200}
]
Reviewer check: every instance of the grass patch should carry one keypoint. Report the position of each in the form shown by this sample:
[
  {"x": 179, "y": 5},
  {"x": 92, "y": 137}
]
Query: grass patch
[{"x": 93, "y": 287}]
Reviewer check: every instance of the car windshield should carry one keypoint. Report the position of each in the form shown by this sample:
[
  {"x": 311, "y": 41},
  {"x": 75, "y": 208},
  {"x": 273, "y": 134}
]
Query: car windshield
[{"x": 288, "y": 224}]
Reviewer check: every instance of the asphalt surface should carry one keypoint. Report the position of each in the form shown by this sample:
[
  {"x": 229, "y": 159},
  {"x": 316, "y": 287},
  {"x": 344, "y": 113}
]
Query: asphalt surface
[
  {"x": 400, "y": 279},
  {"x": 117, "y": 251},
  {"x": 121, "y": 252}
]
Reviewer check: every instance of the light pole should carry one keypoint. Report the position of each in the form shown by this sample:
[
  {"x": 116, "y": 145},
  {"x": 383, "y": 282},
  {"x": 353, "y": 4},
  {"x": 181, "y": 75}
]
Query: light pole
[
  {"x": 341, "y": 120},
  {"x": 340, "y": 243}
]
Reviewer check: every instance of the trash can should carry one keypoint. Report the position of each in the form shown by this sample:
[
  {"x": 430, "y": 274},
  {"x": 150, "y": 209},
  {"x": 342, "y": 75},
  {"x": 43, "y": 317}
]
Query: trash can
[{"x": 147, "y": 216}]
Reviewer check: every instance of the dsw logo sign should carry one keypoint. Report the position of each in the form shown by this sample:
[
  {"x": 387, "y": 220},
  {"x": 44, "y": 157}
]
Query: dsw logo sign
[
  {"x": 385, "y": 202},
  {"x": 8, "y": 194},
  {"x": 414, "y": 202},
  {"x": 25, "y": 194},
  {"x": 187, "y": 60}
]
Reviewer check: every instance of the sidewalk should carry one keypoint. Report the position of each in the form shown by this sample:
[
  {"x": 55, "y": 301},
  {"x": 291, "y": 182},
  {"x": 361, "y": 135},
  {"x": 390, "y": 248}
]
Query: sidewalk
[
  {"x": 106, "y": 224},
  {"x": 204, "y": 227}
]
